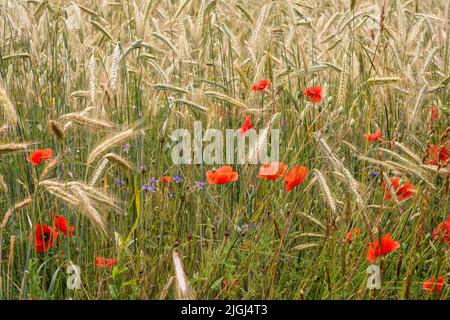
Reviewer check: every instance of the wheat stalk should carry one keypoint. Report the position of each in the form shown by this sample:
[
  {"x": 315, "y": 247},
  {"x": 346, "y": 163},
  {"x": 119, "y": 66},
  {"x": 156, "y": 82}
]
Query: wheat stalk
[
  {"x": 121, "y": 162},
  {"x": 99, "y": 171},
  {"x": 184, "y": 289},
  {"x": 7, "y": 105},
  {"x": 18, "y": 205},
  {"x": 352, "y": 183},
  {"x": 83, "y": 120},
  {"x": 56, "y": 129},
  {"x": 110, "y": 142},
  {"x": 326, "y": 190},
  {"x": 115, "y": 67},
  {"x": 92, "y": 78},
  {"x": 13, "y": 147},
  {"x": 87, "y": 209}
]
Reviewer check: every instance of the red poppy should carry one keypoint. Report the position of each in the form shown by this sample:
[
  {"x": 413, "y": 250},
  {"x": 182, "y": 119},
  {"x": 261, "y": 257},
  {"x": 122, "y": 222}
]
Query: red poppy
[
  {"x": 431, "y": 286},
  {"x": 105, "y": 262},
  {"x": 225, "y": 283},
  {"x": 374, "y": 136},
  {"x": 349, "y": 237},
  {"x": 166, "y": 179},
  {"x": 62, "y": 225},
  {"x": 403, "y": 192},
  {"x": 111, "y": 263},
  {"x": 295, "y": 177},
  {"x": 438, "y": 155},
  {"x": 376, "y": 250},
  {"x": 434, "y": 111},
  {"x": 314, "y": 94},
  {"x": 45, "y": 237},
  {"x": 443, "y": 231},
  {"x": 246, "y": 126},
  {"x": 272, "y": 170},
  {"x": 100, "y": 262},
  {"x": 221, "y": 175},
  {"x": 38, "y": 156},
  {"x": 261, "y": 86}
]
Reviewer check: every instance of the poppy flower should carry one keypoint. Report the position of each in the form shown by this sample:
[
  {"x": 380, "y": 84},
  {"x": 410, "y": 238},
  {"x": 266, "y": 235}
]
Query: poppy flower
[
  {"x": 100, "y": 262},
  {"x": 225, "y": 283},
  {"x": 44, "y": 237},
  {"x": 376, "y": 249},
  {"x": 111, "y": 263},
  {"x": 261, "y": 86},
  {"x": 272, "y": 170},
  {"x": 352, "y": 233},
  {"x": 38, "y": 156},
  {"x": 431, "y": 286},
  {"x": 371, "y": 137},
  {"x": 246, "y": 126},
  {"x": 62, "y": 225},
  {"x": 105, "y": 262},
  {"x": 295, "y": 177},
  {"x": 403, "y": 192},
  {"x": 438, "y": 155},
  {"x": 314, "y": 94},
  {"x": 166, "y": 179},
  {"x": 221, "y": 175},
  {"x": 443, "y": 231}
]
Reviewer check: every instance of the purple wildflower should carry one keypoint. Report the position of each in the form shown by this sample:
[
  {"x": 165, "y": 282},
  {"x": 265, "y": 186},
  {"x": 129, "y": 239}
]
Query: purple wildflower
[
  {"x": 177, "y": 179},
  {"x": 200, "y": 184},
  {"x": 148, "y": 188},
  {"x": 119, "y": 182},
  {"x": 284, "y": 259}
]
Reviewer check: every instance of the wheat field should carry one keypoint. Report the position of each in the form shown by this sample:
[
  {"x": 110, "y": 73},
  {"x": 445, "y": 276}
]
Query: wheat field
[{"x": 93, "y": 207}]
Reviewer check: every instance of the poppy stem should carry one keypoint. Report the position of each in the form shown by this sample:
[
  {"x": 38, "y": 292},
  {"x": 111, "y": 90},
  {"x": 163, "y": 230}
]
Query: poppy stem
[{"x": 262, "y": 107}]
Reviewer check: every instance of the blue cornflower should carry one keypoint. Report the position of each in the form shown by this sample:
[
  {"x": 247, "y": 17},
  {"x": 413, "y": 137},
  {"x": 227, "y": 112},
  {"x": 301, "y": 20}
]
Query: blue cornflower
[
  {"x": 201, "y": 184},
  {"x": 119, "y": 182},
  {"x": 177, "y": 179}
]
